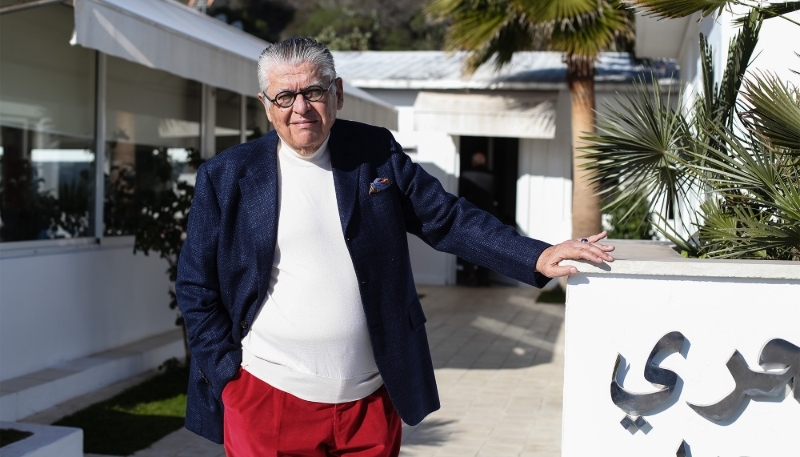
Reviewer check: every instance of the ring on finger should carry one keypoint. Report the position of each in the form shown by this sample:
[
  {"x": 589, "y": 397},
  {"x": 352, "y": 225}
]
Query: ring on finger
[{"x": 584, "y": 240}]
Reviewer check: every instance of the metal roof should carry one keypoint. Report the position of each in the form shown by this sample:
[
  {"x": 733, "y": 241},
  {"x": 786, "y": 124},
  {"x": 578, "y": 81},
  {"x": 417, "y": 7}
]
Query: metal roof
[{"x": 527, "y": 70}]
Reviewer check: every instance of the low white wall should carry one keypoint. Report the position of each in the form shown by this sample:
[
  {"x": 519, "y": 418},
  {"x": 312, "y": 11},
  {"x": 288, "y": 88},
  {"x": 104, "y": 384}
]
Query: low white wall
[
  {"x": 59, "y": 303},
  {"x": 719, "y": 306}
]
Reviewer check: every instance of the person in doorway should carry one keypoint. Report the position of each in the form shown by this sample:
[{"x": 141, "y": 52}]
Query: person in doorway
[
  {"x": 306, "y": 332},
  {"x": 477, "y": 187}
]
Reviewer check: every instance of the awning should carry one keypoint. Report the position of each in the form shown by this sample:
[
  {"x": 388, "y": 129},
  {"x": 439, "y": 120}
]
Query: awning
[
  {"x": 169, "y": 36},
  {"x": 661, "y": 38},
  {"x": 515, "y": 115}
]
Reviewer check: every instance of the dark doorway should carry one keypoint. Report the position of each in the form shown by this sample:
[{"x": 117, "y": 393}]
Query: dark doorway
[{"x": 491, "y": 186}]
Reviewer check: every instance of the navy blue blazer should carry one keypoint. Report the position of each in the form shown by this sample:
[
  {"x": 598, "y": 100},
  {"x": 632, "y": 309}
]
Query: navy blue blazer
[{"x": 225, "y": 264}]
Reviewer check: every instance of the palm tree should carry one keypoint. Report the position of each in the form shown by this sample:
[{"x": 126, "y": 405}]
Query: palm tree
[
  {"x": 735, "y": 149},
  {"x": 581, "y": 29}
]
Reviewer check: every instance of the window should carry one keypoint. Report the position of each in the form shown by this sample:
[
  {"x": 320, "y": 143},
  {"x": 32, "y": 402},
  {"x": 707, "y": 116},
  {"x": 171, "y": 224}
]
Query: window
[
  {"x": 152, "y": 120},
  {"x": 256, "y": 122},
  {"x": 47, "y": 105},
  {"x": 228, "y": 112}
]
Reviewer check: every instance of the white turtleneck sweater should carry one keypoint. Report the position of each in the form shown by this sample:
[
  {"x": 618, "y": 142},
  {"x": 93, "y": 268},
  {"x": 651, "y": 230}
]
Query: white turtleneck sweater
[{"x": 310, "y": 336}]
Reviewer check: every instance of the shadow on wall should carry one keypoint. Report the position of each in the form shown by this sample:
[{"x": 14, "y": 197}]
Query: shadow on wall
[{"x": 495, "y": 328}]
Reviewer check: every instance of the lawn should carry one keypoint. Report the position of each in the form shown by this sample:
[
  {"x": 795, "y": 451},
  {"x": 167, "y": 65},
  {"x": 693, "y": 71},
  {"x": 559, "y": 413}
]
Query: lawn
[{"x": 135, "y": 418}]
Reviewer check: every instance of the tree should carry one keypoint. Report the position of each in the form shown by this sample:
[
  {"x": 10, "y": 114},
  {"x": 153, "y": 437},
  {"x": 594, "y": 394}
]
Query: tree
[
  {"x": 156, "y": 214},
  {"x": 581, "y": 29},
  {"x": 265, "y": 19},
  {"x": 735, "y": 149},
  {"x": 369, "y": 25}
]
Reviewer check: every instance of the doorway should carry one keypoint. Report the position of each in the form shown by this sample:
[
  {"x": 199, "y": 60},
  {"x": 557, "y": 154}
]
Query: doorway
[{"x": 491, "y": 186}]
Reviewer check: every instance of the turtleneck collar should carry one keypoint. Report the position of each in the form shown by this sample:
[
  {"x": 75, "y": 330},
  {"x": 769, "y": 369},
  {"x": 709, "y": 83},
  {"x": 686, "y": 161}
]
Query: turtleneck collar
[{"x": 317, "y": 157}]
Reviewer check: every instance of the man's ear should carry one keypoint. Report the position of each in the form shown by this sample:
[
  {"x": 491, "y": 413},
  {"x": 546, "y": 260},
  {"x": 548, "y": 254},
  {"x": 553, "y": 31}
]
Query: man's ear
[
  {"x": 265, "y": 102},
  {"x": 339, "y": 94}
]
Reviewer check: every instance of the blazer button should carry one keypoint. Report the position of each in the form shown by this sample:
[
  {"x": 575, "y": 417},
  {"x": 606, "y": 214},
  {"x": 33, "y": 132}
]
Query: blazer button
[
  {"x": 244, "y": 324},
  {"x": 365, "y": 282}
]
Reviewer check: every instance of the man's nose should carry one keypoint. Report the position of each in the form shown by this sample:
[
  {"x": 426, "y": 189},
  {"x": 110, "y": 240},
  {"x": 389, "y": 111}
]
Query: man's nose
[{"x": 300, "y": 105}]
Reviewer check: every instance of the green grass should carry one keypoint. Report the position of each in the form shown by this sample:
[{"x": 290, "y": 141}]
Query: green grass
[
  {"x": 11, "y": 435},
  {"x": 554, "y": 295},
  {"x": 135, "y": 418}
]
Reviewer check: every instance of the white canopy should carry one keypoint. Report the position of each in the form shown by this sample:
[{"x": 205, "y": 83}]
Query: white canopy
[
  {"x": 516, "y": 115},
  {"x": 169, "y": 36}
]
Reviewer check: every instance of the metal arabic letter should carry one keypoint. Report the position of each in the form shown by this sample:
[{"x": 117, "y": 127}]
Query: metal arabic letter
[
  {"x": 780, "y": 353},
  {"x": 683, "y": 450},
  {"x": 777, "y": 353},
  {"x": 637, "y": 404}
]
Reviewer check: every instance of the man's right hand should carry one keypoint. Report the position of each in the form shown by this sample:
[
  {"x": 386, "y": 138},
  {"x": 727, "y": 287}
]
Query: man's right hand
[{"x": 549, "y": 260}]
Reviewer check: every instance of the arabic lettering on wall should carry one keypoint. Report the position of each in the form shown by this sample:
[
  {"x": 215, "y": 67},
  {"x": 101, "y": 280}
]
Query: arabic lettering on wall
[{"x": 779, "y": 360}]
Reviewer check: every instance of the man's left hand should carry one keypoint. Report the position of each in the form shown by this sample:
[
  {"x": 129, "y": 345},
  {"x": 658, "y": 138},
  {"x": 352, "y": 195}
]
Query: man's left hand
[{"x": 591, "y": 250}]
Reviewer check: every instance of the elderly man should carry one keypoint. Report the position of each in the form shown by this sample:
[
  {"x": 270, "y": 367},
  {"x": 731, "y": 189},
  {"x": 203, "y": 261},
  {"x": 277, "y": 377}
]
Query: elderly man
[{"x": 305, "y": 328}]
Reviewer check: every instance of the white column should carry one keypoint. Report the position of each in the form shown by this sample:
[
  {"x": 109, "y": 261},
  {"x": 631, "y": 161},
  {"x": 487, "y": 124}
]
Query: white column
[
  {"x": 99, "y": 143},
  {"x": 208, "y": 121},
  {"x": 243, "y": 119}
]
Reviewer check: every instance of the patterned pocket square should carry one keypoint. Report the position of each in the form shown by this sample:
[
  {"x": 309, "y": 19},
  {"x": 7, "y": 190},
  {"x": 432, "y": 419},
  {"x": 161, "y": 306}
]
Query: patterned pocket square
[{"x": 378, "y": 185}]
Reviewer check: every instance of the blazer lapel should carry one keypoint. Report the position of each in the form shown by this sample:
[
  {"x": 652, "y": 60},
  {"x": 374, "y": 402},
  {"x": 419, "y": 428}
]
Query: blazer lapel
[
  {"x": 346, "y": 171},
  {"x": 259, "y": 190}
]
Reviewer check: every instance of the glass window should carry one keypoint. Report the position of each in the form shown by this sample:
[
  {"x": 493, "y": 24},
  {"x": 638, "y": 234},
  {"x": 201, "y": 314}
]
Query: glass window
[
  {"x": 152, "y": 120},
  {"x": 257, "y": 123},
  {"x": 228, "y": 112},
  {"x": 47, "y": 108}
]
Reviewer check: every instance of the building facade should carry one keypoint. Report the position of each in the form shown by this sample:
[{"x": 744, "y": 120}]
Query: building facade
[
  {"x": 518, "y": 116},
  {"x": 92, "y": 92}
]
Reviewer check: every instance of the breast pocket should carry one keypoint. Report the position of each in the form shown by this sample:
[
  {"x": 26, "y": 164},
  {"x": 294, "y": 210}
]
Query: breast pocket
[{"x": 384, "y": 197}]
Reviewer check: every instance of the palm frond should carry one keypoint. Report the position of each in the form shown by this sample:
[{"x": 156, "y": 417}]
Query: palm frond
[
  {"x": 772, "y": 10},
  {"x": 680, "y": 8},
  {"x": 740, "y": 52},
  {"x": 772, "y": 111},
  {"x": 754, "y": 209},
  {"x": 589, "y": 34},
  {"x": 472, "y": 28},
  {"x": 495, "y": 29},
  {"x": 742, "y": 231},
  {"x": 543, "y": 11},
  {"x": 642, "y": 148},
  {"x": 688, "y": 245}
]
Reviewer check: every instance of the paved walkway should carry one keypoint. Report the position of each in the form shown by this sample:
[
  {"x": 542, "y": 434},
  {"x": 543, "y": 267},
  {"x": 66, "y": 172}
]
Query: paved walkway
[{"x": 499, "y": 367}]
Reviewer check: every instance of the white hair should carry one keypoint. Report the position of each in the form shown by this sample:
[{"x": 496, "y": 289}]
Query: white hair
[{"x": 294, "y": 51}]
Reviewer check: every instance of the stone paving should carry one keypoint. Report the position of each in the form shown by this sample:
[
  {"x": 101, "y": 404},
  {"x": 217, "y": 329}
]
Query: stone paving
[{"x": 498, "y": 357}]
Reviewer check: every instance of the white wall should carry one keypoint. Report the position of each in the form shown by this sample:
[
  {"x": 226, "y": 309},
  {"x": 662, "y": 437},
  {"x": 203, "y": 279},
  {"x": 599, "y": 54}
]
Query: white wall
[
  {"x": 719, "y": 306},
  {"x": 61, "y": 303},
  {"x": 544, "y": 186},
  {"x": 437, "y": 153},
  {"x": 775, "y": 51}
]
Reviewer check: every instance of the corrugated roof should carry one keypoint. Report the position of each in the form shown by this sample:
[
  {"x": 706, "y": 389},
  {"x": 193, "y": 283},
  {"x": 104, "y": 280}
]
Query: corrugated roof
[{"x": 443, "y": 70}]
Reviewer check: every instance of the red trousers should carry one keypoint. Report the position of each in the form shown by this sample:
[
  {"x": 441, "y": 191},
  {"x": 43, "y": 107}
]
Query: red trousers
[{"x": 262, "y": 421}]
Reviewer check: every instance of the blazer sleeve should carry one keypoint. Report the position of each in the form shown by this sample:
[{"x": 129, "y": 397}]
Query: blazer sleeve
[
  {"x": 208, "y": 322},
  {"x": 451, "y": 224}
]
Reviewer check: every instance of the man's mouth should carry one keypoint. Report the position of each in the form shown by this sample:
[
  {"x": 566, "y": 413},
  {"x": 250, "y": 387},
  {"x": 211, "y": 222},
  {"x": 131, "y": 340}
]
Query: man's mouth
[{"x": 304, "y": 123}]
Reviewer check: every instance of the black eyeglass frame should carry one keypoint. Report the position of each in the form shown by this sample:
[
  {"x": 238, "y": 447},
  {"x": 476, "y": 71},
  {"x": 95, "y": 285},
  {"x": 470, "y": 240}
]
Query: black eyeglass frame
[{"x": 295, "y": 94}]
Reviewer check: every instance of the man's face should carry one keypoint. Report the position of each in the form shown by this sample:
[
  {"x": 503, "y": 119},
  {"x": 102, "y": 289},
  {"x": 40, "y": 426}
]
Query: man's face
[{"x": 304, "y": 125}]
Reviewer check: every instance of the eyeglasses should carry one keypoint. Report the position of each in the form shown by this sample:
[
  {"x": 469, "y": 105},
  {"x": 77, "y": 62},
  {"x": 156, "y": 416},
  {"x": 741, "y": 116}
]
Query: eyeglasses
[{"x": 286, "y": 98}]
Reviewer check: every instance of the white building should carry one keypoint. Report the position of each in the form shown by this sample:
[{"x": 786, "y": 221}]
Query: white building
[
  {"x": 519, "y": 116},
  {"x": 679, "y": 39},
  {"x": 124, "y": 78}
]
